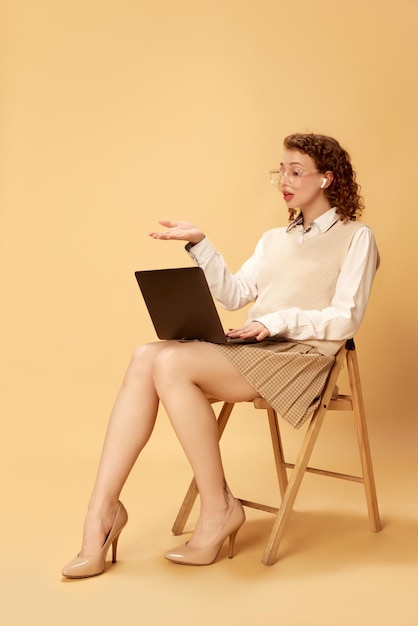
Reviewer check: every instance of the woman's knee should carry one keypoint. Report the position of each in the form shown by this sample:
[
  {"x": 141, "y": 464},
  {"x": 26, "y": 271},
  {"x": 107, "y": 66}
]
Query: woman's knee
[
  {"x": 169, "y": 363},
  {"x": 143, "y": 357}
]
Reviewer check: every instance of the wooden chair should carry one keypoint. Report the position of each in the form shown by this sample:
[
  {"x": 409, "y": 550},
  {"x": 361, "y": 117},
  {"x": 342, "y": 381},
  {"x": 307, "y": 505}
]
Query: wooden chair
[{"x": 289, "y": 487}]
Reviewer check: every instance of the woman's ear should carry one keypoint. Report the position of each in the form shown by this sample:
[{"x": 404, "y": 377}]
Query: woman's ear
[{"x": 327, "y": 179}]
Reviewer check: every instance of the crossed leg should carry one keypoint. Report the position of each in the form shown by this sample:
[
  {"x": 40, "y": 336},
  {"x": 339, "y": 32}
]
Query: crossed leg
[{"x": 181, "y": 375}]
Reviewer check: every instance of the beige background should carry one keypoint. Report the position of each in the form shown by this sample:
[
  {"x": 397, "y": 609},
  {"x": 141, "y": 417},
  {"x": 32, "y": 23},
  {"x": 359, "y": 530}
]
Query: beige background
[{"x": 115, "y": 115}]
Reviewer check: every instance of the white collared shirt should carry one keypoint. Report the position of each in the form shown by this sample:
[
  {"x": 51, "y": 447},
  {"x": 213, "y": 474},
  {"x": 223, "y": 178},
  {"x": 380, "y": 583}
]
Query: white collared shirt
[
  {"x": 342, "y": 317},
  {"x": 320, "y": 225}
]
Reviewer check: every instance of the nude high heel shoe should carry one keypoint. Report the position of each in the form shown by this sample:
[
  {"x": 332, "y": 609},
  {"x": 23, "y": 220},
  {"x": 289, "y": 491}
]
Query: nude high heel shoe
[
  {"x": 84, "y": 567},
  {"x": 205, "y": 556}
]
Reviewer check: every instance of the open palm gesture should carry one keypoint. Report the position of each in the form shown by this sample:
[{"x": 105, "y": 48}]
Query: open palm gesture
[{"x": 182, "y": 231}]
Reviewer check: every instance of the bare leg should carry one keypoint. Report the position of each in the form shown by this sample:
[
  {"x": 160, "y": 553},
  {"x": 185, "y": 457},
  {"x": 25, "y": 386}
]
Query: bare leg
[
  {"x": 184, "y": 374},
  {"x": 130, "y": 426},
  {"x": 180, "y": 374}
]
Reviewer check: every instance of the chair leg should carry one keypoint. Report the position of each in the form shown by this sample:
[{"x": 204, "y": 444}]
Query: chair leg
[
  {"x": 185, "y": 509},
  {"x": 363, "y": 441},
  {"x": 278, "y": 450},
  {"x": 191, "y": 495},
  {"x": 270, "y": 552}
]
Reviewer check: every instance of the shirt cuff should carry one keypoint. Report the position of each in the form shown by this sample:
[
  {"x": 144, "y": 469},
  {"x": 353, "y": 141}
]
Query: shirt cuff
[
  {"x": 200, "y": 251},
  {"x": 273, "y": 322}
]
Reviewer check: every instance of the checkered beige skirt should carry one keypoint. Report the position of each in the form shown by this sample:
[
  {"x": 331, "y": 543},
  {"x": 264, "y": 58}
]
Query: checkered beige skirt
[{"x": 290, "y": 376}]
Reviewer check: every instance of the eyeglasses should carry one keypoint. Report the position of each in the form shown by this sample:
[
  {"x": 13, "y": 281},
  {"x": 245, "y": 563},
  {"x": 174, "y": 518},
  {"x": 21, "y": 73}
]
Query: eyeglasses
[{"x": 294, "y": 176}]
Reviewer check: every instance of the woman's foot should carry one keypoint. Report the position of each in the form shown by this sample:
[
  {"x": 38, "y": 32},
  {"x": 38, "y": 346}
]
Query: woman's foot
[
  {"x": 208, "y": 527},
  {"x": 87, "y": 564},
  {"x": 207, "y": 540},
  {"x": 97, "y": 525}
]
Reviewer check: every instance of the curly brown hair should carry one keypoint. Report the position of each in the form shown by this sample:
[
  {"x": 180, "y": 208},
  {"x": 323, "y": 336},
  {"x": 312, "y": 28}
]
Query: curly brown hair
[{"x": 343, "y": 192}]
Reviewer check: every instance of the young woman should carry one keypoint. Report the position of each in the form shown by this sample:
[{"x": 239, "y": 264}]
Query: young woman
[{"x": 309, "y": 282}]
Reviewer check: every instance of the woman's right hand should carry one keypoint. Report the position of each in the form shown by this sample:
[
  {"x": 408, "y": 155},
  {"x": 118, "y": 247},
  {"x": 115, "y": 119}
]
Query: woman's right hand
[{"x": 182, "y": 231}]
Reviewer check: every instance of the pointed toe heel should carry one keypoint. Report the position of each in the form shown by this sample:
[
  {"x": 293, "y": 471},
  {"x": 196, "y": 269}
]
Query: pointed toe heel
[
  {"x": 85, "y": 567},
  {"x": 206, "y": 556}
]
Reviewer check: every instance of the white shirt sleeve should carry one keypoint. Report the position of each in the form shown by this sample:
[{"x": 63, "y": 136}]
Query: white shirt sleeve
[
  {"x": 232, "y": 291},
  {"x": 339, "y": 321}
]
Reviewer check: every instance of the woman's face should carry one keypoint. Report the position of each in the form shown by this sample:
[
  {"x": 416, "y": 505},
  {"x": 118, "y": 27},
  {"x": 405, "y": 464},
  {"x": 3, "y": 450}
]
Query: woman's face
[{"x": 300, "y": 181}]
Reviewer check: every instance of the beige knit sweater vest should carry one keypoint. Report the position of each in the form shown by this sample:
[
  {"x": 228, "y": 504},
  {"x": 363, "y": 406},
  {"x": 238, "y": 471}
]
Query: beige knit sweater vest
[{"x": 302, "y": 275}]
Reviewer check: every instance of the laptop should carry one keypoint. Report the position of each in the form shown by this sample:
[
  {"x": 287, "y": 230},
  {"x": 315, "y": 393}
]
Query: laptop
[{"x": 181, "y": 306}]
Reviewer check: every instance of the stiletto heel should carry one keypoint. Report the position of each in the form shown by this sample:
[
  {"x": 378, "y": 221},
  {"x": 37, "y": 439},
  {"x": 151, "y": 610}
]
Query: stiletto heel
[
  {"x": 115, "y": 548},
  {"x": 205, "y": 556},
  {"x": 84, "y": 567},
  {"x": 232, "y": 543}
]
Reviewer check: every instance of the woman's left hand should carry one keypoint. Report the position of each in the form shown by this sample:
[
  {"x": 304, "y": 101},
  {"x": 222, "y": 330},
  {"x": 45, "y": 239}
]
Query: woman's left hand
[{"x": 253, "y": 329}]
